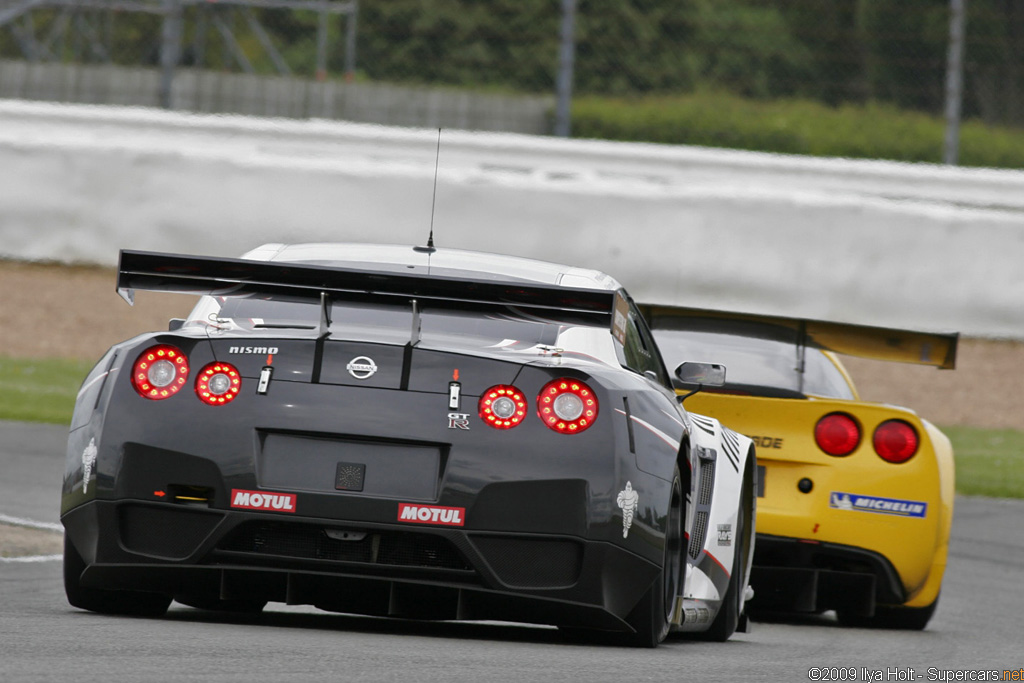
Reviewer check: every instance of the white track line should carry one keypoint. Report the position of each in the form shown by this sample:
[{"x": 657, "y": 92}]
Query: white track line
[
  {"x": 30, "y": 523},
  {"x": 32, "y": 558}
]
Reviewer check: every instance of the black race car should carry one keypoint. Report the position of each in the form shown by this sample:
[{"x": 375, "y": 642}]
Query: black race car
[{"x": 403, "y": 431}]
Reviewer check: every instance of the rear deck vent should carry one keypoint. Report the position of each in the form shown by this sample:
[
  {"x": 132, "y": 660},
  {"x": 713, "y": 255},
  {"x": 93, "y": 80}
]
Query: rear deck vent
[
  {"x": 173, "y": 533},
  {"x": 532, "y": 563}
]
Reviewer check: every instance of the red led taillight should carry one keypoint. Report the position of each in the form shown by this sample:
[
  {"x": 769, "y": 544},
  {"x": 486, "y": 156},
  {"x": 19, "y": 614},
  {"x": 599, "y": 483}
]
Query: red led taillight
[
  {"x": 895, "y": 441},
  {"x": 502, "y": 406},
  {"x": 567, "y": 406},
  {"x": 218, "y": 383},
  {"x": 837, "y": 434},
  {"x": 160, "y": 372}
]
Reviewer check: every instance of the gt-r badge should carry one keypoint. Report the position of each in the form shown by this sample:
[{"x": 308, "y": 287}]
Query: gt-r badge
[
  {"x": 886, "y": 506},
  {"x": 458, "y": 420},
  {"x": 627, "y": 500},
  {"x": 431, "y": 514},
  {"x": 262, "y": 500},
  {"x": 88, "y": 460},
  {"x": 361, "y": 367}
]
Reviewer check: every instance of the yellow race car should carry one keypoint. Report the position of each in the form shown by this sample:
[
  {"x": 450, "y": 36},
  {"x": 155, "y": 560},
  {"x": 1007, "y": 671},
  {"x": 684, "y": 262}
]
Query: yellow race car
[{"x": 855, "y": 499}]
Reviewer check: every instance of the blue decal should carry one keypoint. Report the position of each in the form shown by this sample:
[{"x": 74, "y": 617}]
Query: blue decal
[{"x": 885, "y": 506}]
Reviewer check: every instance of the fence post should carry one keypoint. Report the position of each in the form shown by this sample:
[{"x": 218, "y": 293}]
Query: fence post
[
  {"x": 350, "y": 41},
  {"x": 321, "y": 43},
  {"x": 170, "y": 49},
  {"x": 954, "y": 80},
  {"x": 563, "y": 81}
]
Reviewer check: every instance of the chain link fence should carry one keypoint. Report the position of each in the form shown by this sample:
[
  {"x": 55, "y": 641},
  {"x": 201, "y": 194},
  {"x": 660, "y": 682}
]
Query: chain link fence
[{"x": 513, "y": 64}]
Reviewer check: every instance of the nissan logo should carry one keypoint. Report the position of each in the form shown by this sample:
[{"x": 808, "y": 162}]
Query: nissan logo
[{"x": 361, "y": 367}]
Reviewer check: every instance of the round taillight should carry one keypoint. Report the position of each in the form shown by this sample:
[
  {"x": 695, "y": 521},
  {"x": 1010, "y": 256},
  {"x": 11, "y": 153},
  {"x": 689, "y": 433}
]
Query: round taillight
[
  {"x": 502, "y": 406},
  {"x": 895, "y": 441},
  {"x": 160, "y": 372},
  {"x": 837, "y": 434},
  {"x": 567, "y": 406},
  {"x": 218, "y": 383}
]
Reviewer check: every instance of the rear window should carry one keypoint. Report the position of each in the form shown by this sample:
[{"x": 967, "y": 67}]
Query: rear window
[{"x": 755, "y": 357}]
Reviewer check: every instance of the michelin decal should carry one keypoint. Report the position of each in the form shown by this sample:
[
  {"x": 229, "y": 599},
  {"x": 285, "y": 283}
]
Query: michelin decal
[
  {"x": 88, "y": 460},
  {"x": 627, "y": 500},
  {"x": 886, "y": 506}
]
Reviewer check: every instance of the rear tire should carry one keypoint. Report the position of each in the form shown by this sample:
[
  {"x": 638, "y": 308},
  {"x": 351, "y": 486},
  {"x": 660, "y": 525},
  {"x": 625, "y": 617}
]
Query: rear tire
[
  {"x": 128, "y": 603},
  {"x": 651, "y": 618},
  {"x": 728, "y": 618},
  {"x": 899, "y": 618}
]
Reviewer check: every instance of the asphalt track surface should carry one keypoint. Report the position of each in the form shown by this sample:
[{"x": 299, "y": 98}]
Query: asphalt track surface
[{"x": 42, "y": 638}]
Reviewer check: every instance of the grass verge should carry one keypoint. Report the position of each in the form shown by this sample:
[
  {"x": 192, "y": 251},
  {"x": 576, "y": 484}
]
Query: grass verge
[
  {"x": 792, "y": 126},
  {"x": 989, "y": 462},
  {"x": 33, "y": 390}
]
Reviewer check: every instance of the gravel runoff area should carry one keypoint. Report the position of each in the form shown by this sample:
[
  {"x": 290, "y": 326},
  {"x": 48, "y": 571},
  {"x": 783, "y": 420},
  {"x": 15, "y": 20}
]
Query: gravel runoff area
[
  {"x": 22, "y": 541},
  {"x": 56, "y": 311}
]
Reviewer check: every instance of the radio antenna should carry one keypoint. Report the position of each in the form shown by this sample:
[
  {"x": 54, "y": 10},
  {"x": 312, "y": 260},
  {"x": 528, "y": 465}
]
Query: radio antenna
[
  {"x": 429, "y": 249},
  {"x": 433, "y": 201}
]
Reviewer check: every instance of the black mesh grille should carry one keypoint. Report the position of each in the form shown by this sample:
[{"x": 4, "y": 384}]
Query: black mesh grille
[
  {"x": 532, "y": 563},
  {"x": 303, "y": 541},
  {"x": 161, "y": 532},
  {"x": 707, "y": 481},
  {"x": 700, "y": 519},
  {"x": 700, "y": 530}
]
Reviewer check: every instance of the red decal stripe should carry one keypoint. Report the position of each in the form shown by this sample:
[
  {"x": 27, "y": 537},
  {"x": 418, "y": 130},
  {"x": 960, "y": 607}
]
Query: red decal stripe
[{"x": 715, "y": 560}]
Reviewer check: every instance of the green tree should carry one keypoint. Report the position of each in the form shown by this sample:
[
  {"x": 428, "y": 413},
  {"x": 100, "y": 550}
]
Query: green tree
[
  {"x": 833, "y": 68},
  {"x": 905, "y": 51},
  {"x": 460, "y": 42},
  {"x": 994, "y": 61}
]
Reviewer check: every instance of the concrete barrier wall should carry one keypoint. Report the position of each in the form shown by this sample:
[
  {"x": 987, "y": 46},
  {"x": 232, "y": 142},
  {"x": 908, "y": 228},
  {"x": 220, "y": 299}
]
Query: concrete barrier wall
[{"x": 869, "y": 242}]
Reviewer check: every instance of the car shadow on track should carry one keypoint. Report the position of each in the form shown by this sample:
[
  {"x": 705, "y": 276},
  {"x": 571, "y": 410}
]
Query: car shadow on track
[
  {"x": 823, "y": 620},
  {"x": 496, "y": 631},
  {"x": 502, "y": 632}
]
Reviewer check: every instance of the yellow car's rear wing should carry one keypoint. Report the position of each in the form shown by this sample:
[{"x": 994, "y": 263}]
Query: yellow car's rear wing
[{"x": 878, "y": 343}]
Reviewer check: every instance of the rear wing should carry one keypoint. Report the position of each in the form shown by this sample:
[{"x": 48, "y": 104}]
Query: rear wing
[
  {"x": 877, "y": 343},
  {"x": 240, "y": 277}
]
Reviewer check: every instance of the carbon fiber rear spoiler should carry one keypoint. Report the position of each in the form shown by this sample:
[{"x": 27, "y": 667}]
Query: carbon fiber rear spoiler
[
  {"x": 181, "y": 274},
  {"x": 877, "y": 343}
]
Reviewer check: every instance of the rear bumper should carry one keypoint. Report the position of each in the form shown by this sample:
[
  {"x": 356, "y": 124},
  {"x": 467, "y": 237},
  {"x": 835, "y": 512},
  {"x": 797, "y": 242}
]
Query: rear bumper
[
  {"x": 368, "y": 568},
  {"x": 795, "y": 575}
]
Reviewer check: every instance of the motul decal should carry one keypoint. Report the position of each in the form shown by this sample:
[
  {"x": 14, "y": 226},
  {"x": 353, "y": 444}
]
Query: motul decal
[
  {"x": 431, "y": 514},
  {"x": 262, "y": 500}
]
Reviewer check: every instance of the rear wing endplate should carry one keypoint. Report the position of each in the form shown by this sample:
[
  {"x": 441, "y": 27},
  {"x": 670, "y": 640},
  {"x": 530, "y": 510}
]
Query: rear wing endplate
[
  {"x": 863, "y": 341},
  {"x": 181, "y": 274}
]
